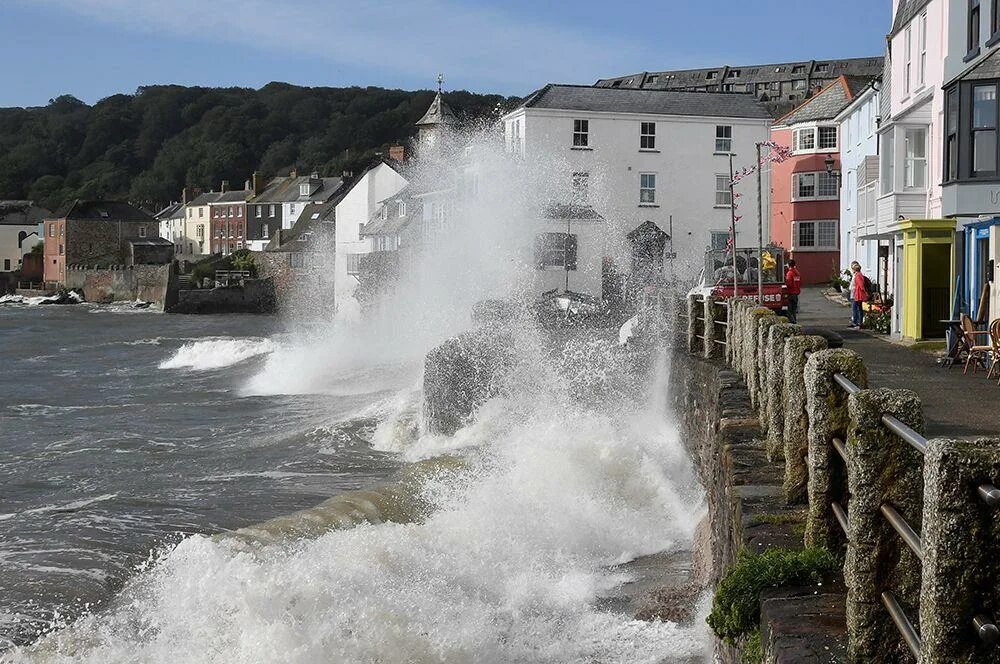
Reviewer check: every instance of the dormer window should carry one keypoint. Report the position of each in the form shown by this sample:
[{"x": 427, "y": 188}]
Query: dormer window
[
  {"x": 734, "y": 73},
  {"x": 712, "y": 75},
  {"x": 822, "y": 68},
  {"x": 384, "y": 213},
  {"x": 304, "y": 189},
  {"x": 401, "y": 209},
  {"x": 799, "y": 69}
]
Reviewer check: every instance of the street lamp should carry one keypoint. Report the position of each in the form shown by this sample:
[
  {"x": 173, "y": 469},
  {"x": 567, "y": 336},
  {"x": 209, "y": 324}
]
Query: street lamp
[{"x": 829, "y": 163}]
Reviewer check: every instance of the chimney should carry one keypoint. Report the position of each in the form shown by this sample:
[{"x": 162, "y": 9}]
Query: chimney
[
  {"x": 195, "y": 192},
  {"x": 348, "y": 174},
  {"x": 258, "y": 183},
  {"x": 397, "y": 153},
  {"x": 293, "y": 173},
  {"x": 314, "y": 175},
  {"x": 186, "y": 195},
  {"x": 225, "y": 187},
  {"x": 246, "y": 185}
]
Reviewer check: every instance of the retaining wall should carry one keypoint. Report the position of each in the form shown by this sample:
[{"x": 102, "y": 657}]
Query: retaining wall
[{"x": 149, "y": 283}]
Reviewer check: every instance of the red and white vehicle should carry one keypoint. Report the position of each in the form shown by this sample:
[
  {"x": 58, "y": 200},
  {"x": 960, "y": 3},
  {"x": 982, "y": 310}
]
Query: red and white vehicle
[{"x": 717, "y": 277}]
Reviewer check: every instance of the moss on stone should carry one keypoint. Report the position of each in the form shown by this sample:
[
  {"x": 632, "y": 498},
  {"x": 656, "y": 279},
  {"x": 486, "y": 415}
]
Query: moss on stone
[
  {"x": 781, "y": 518},
  {"x": 736, "y": 605},
  {"x": 752, "y": 651}
]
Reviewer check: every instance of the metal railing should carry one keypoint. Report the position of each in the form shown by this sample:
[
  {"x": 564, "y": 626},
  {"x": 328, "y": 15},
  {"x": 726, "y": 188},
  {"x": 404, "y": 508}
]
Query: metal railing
[{"x": 985, "y": 627}]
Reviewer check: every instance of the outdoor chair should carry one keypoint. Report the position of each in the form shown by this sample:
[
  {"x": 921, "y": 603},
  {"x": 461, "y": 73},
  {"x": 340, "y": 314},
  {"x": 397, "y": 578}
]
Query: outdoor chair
[
  {"x": 995, "y": 352},
  {"x": 978, "y": 344}
]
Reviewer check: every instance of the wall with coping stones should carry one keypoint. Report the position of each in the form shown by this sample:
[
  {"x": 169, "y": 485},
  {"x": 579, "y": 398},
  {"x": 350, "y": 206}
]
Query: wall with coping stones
[
  {"x": 149, "y": 283},
  {"x": 803, "y": 409}
]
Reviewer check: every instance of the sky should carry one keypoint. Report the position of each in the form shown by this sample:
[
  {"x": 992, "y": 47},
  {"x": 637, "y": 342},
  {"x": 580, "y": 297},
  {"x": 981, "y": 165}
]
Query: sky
[{"x": 95, "y": 48}]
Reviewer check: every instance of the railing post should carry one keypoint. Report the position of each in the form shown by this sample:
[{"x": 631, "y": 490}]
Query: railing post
[
  {"x": 882, "y": 470},
  {"x": 796, "y": 425},
  {"x": 777, "y": 339},
  {"x": 751, "y": 346},
  {"x": 711, "y": 329},
  {"x": 961, "y": 537},
  {"x": 692, "y": 314},
  {"x": 763, "y": 371},
  {"x": 826, "y": 406},
  {"x": 734, "y": 338}
]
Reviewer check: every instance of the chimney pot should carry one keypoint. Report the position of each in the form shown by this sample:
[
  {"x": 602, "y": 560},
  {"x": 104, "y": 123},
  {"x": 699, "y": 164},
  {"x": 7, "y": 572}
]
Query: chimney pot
[
  {"x": 397, "y": 152},
  {"x": 225, "y": 186}
]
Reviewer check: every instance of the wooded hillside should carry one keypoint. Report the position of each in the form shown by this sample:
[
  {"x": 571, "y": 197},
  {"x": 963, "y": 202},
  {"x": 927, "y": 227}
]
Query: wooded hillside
[{"x": 146, "y": 147}]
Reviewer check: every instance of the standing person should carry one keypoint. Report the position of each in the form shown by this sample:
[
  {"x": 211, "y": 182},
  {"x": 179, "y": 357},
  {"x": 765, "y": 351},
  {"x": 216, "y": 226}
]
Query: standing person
[
  {"x": 859, "y": 295},
  {"x": 793, "y": 284}
]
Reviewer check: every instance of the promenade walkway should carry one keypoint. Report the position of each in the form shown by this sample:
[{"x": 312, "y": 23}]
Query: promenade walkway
[{"x": 955, "y": 405}]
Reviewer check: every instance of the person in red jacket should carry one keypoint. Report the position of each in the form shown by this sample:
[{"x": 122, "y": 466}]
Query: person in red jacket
[
  {"x": 793, "y": 286},
  {"x": 859, "y": 295}
]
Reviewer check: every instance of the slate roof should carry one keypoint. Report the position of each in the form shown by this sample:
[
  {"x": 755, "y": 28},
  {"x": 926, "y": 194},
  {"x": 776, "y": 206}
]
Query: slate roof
[
  {"x": 206, "y": 198},
  {"x": 828, "y": 102},
  {"x": 438, "y": 113},
  {"x": 906, "y": 12},
  {"x": 22, "y": 213},
  {"x": 649, "y": 102},
  {"x": 303, "y": 236},
  {"x": 172, "y": 211},
  {"x": 393, "y": 223},
  {"x": 104, "y": 211},
  {"x": 286, "y": 190},
  {"x": 237, "y": 196},
  {"x": 986, "y": 69},
  {"x": 563, "y": 211}
]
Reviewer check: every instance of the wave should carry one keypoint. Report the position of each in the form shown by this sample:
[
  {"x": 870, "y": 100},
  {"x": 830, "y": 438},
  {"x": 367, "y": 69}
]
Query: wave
[
  {"x": 217, "y": 353},
  {"x": 500, "y": 557}
]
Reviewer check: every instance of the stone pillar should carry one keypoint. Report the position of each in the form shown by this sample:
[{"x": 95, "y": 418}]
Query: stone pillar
[
  {"x": 751, "y": 348},
  {"x": 884, "y": 469},
  {"x": 764, "y": 326},
  {"x": 826, "y": 408},
  {"x": 711, "y": 310},
  {"x": 774, "y": 401},
  {"x": 961, "y": 536},
  {"x": 693, "y": 310},
  {"x": 796, "y": 426}
]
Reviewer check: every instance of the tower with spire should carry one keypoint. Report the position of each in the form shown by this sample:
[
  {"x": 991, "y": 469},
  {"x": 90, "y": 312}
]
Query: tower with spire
[{"x": 435, "y": 122}]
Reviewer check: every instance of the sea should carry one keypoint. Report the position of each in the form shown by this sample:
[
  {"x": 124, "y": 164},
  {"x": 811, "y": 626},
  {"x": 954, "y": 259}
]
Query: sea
[{"x": 132, "y": 442}]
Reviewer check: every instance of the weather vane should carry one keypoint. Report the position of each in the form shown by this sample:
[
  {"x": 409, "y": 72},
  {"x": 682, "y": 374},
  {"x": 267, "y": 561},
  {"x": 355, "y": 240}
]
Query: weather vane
[{"x": 440, "y": 81}]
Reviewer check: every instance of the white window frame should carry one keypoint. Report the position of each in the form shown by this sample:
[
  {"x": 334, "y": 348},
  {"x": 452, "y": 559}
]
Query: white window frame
[
  {"x": 907, "y": 59},
  {"x": 909, "y": 161},
  {"x": 723, "y": 143},
  {"x": 922, "y": 46},
  {"x": 581, "y": 133},
  {"x": 401, "y": 209},
  {"x": 647, "y": 136},
  {"x": 723, "y": 191},
  {"x": 816, "y": 177},
  {"x": 260, "y": 211},
  {"x": 797, "y": 227},
  {"x": 807, "y": 140},
  {"x": 142, "y": 231},
  {"x": 647, "y": 194}
]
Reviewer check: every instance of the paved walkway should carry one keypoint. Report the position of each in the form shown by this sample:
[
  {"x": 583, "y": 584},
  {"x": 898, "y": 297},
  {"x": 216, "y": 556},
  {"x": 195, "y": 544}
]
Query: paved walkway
[{"x": 954, "y": 404}]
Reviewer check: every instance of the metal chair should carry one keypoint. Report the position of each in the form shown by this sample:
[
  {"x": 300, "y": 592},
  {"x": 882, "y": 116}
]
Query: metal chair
[
  {"x": 995, "y": 350},
  {"x": 978, "y": 352}
]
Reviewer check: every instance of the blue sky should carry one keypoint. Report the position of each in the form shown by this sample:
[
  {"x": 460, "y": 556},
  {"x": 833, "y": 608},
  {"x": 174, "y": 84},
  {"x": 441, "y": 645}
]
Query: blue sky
[{"x": 95, "y": 48}]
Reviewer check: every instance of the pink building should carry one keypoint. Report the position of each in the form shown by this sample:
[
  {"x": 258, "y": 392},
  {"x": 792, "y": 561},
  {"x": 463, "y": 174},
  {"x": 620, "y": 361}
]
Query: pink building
[{"x": 805, "y": 190}]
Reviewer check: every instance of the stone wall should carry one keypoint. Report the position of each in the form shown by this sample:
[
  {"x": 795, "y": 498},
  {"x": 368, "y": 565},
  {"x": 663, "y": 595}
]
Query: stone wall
[
  {"x": 255, "y": 296},
  {"x": 149, "y": 283}
]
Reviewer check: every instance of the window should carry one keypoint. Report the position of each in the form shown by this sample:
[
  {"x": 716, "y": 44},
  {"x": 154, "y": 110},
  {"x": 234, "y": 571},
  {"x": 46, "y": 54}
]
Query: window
[
  {"x": 915, "y": 162},
  {"x": 733, "y": 73},
  {"x": 951, "y": 136},
  {"x": 815, "y": 235},
  {"x": 291, "y": 209},
  {"x": 723, "y": 138},
  {"x": 647, "y": 135},
  {"x": 818, "y": 184},
  {"x": 200, "y": 231},
  {"x": 264, "y": 232},
  {"x": 581, "y": 186},
  {"x": 239, "y": 210},
  {"x": 52, "y": 230},
  {"x": 908, "y": 59},
  {"x": 201, "y": 212},
  {"x": 142, "y": 231},
  {"x": 994, "y": 18},
  {"x": 973, "y": 28},
  {"x": 270, "y": 210},
  {"x": 804, "y": 139},
  {"x": 581, "y": 133},
  {"x": 190, "y": 213},
  {"x": 555, "y": 250},
  {"x": 799, "y": 84},
  {"x": 723, "y": 193},
  {"x": 260, "y": 211},
  {"x": 827, "y": 138},
  {"x": 401, "y": 209},
  {"x": 799, "y": 69},
  {"x": 62, "y": 250},
  {"x": 384, "y": 213},
  {"x": 712, "y": 75},
  {"x": 984, "y": 130},
  {"x": 822, "y": 68},
  {"x": 647, "y": 188},
  {"x": 720, "y": 239},
  {"x": 922, "y": 47},
  {"x": 653, "y": 79},
  {"x": 886, "y": 161}
]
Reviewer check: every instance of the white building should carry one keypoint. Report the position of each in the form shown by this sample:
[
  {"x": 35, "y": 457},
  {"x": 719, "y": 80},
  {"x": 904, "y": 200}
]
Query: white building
[
  {"x": 172, "y": 226},
  {"x": 641, "y": 156},
  {"x": 19, "y": 224},
  {"x": 355, "y": 207},
  {"x": 198, "y": 227},
  {"x": 859, "y": 232}
]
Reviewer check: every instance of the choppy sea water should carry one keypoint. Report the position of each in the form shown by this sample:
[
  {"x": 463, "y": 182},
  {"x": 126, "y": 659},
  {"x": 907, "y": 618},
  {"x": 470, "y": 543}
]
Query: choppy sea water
[
  {"x": 123, "y": 431},
  {"x": 180, "y": 429}
]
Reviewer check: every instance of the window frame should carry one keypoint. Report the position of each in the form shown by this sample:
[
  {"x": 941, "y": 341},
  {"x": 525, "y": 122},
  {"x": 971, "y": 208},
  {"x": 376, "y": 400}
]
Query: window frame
[
  {"x": 799, "y": 225},
  {"x": 723, "y": 195},
  {"x": 647, "y": 136},
  {"x": 910, "y": 161},
  {"x": 974, "y": 130},
  {"x": 723, "y": 143},
  {"x": 817, "y": 186},
  {"x": 647, "y": 193},
  {"x": 907, "y": 59},
  {"x": 556, "y": 251},
  {"x": 922, "y": 49},
  {"x": 972, "y": 29}
]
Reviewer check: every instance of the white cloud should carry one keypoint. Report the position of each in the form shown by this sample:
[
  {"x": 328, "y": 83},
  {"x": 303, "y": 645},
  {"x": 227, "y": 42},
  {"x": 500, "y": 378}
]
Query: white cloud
[{"x": 476, "y": 47}]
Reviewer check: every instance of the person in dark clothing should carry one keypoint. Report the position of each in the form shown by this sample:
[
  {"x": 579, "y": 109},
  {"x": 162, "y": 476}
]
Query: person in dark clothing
[{"x": 793, "y": 286}]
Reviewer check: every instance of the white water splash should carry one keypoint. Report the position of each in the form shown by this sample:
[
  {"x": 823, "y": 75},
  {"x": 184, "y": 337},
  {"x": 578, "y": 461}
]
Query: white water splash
[{"x": 217, "y": 353}]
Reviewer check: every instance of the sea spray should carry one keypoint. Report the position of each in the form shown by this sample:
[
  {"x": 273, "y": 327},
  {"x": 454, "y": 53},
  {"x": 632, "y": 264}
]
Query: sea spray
[{"x": 216, "y": 353}]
